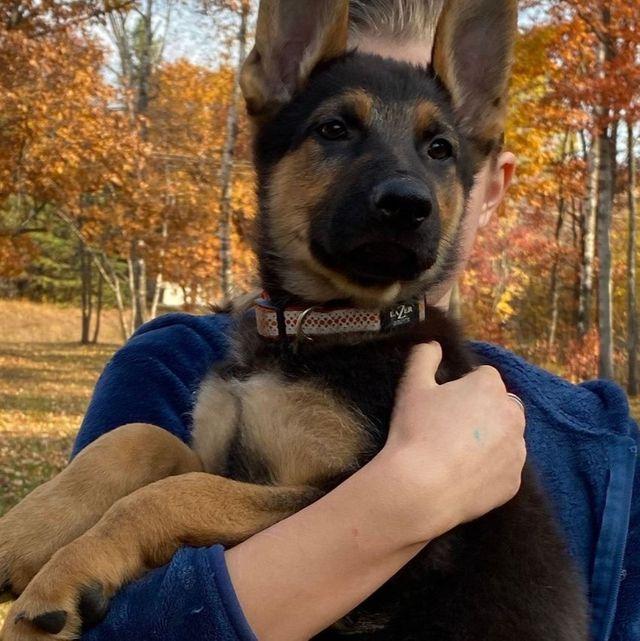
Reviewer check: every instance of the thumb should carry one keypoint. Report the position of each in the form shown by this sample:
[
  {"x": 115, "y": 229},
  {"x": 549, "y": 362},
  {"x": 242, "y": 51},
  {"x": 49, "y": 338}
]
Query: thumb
[{"x": 422, "y": 366}]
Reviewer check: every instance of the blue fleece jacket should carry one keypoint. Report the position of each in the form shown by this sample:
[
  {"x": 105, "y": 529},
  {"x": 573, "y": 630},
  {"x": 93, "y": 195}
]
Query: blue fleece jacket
[{"x": 580, "y": 437}]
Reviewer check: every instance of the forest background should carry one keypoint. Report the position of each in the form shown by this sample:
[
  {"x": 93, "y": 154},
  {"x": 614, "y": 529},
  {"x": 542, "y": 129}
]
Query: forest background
[{"x": 126, "y": 185}]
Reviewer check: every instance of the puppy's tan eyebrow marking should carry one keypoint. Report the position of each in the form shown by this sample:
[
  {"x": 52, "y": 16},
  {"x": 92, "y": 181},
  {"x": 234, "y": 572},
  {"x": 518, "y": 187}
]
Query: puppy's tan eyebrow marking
[
  {"x": 426, "y": 116},
  {"x": 356, "y": 102},
  {"x": 361, "y": 102}
]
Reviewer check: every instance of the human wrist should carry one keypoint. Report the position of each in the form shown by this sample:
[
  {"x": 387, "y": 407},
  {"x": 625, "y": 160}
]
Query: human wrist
[{"x": 419, "y": 488}]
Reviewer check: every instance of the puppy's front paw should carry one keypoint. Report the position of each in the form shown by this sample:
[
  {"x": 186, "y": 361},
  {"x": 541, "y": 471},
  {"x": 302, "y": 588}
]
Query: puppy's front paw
[
  {"x": 31, "y": 532},
  {"x": 36, "y": 617},
  {"x": 64, "y": 598}
]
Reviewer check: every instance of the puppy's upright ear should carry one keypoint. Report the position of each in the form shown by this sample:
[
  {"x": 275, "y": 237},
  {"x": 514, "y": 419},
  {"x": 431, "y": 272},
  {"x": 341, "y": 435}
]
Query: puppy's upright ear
[
  {"x": 292, "y": 36},
  {"x": 472, "y": 55}
]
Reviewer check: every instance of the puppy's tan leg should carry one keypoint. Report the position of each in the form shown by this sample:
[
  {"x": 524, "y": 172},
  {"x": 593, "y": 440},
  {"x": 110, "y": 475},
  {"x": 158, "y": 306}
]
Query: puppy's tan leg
[
  {"x": 59, "y": 511},
  {"x": 142, "y": 531}
]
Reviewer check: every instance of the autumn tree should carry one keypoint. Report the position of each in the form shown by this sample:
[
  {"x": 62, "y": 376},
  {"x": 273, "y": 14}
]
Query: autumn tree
[
  {"x": 131, "y": 170},
  {"x": 535, "y": 266},
  {"x": 61, "y": 143},
  {"x": 610, "y": 38}
]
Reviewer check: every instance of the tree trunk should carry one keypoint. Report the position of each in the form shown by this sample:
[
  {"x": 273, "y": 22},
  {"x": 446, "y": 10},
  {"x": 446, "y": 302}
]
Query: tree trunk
[
  {"x": 588, "y": 236},
  {"x": 226, "y": 164},
  {"x": 145, "y": 66},
  {"x": 137, "y": 285},
  {"x": 606, "y": 188},
  {"x": 132, "y": 289},
  {"x": 144, "y": 73},
  {"x": 86, "y": 295},
  {"x": 632, "y": 340},
  {"x": 554, "y": 288},
  {"x": 141, "y": 291},
  {"x": 158, "y": 285},
  {"x": 99, "y": 296},
  {"x": 158, "y": 288},
  {"x": 109, "y": 276},
  {"x": 120, "y": 304},
  {"x": 608, "y": 133}
]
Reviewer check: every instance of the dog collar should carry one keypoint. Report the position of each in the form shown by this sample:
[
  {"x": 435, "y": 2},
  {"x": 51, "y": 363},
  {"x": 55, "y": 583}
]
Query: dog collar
[{"x": 299, "y": 322}]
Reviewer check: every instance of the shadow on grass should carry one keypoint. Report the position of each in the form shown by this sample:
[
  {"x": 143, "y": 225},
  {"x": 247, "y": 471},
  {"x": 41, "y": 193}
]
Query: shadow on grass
[
  {"x": 50, "y": 354},
  {"x": 27, "y": 461},
  {"x": 49, "y": 377},
  {"x": 75, "y": 402}
]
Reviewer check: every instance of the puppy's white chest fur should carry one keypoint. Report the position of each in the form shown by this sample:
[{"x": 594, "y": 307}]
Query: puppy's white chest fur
[{"x": 300, "y": 434}]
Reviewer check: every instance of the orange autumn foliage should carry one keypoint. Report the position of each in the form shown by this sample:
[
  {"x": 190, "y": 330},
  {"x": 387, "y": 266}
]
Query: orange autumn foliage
[
  {"x": 562, "y": 91},
  {"x": 72, "y": 146}
]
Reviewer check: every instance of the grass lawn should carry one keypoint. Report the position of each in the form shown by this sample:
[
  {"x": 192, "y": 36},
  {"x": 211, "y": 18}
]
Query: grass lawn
[
  {"x": 45, "y": 385},
  {"x": 44, "y": 390},
  {"x": 46, "y": 380}
]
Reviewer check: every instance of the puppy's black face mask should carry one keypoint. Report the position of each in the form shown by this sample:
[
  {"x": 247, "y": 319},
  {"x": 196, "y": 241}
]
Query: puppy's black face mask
[{"x": 363, "y": 181}]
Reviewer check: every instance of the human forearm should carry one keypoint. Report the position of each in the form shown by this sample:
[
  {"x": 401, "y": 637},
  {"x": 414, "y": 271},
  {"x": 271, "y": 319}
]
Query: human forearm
[{"x": 301, "y": 575}]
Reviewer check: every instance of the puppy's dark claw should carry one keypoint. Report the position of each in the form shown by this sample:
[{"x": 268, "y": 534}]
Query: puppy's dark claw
[
  {"x": 5, "y": 591},
  {"x": 50, "y": 622},
  {"x": 93, "y": 605}
]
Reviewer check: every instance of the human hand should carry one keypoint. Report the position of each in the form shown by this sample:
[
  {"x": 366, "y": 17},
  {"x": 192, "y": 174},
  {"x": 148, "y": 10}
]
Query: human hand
[{"x": 456, "y": 450}]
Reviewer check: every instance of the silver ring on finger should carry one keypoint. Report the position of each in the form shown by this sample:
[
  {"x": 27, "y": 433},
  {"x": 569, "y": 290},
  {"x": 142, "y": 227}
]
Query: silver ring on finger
[{"x": 517, "y": 399}]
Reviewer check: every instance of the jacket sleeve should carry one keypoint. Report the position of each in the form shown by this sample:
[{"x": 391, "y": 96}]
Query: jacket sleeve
[
  {"x": 190, "y": 599},
  {"x": 627, "y": 622},
  {"x": 152, "y": 379}
]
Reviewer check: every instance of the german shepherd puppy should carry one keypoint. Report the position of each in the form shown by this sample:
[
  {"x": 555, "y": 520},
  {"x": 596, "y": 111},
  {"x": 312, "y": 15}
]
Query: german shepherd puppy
[{"x": 364, "y": 168}]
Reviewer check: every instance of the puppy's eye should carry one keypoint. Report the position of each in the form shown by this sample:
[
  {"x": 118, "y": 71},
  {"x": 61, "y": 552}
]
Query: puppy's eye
[
  {"x": 333, "y": 130},
  {"x": 440, "y": 149}
]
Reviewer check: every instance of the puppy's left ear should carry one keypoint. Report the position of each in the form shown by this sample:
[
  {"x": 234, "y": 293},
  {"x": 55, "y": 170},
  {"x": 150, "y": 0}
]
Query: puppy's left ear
[
  {"x": 292, "y": 37},
  {"x": 472, "y": 55}
]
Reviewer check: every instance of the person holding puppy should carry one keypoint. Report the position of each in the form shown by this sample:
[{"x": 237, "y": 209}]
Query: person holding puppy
[{"x": 296, "y": 578}]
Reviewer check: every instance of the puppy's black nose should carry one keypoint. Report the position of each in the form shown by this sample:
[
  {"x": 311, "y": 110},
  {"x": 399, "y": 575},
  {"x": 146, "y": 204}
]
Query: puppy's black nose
[{"x": 402, "y": 204}]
